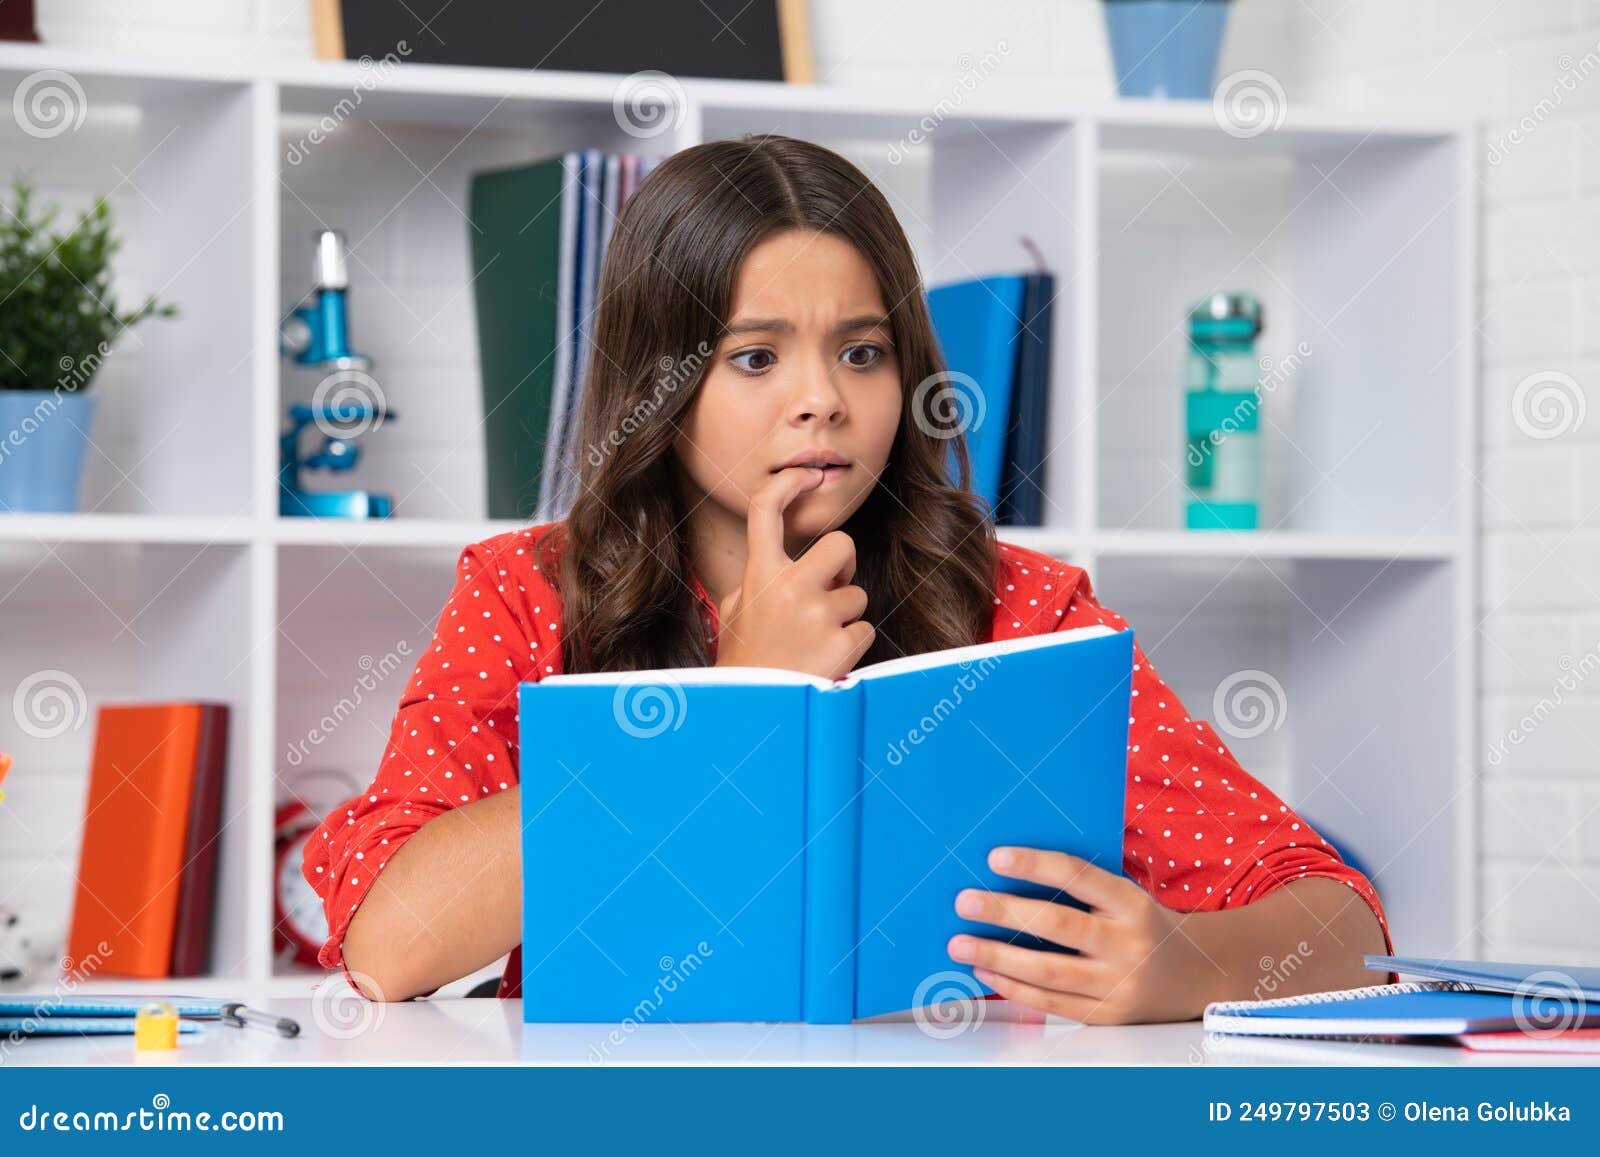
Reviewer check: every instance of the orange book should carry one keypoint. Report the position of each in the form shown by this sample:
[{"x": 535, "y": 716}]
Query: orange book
[{"x": 147, "y": 869}]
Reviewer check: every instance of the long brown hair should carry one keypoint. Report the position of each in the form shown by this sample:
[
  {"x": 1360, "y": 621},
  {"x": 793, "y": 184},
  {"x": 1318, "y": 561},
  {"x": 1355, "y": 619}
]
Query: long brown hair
[{"x": 925, "y": 548}]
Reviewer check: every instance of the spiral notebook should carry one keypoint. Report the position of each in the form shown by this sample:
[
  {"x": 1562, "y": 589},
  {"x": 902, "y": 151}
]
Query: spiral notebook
[{"x": 1417, "y": 1008}]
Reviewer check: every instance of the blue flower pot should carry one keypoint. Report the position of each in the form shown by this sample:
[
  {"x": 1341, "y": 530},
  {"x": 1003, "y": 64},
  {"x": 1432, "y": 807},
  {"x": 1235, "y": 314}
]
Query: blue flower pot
[
  {"x": 44, "y": 437},
  {"x": 1166, "y": 48}
]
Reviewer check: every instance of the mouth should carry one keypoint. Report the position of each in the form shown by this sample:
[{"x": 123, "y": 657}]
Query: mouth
[{"x": 832, "y": 465}]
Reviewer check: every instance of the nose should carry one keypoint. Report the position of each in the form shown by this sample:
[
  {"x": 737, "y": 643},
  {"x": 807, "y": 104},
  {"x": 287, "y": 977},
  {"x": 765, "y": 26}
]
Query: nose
[{"x": 818, "y": 401}]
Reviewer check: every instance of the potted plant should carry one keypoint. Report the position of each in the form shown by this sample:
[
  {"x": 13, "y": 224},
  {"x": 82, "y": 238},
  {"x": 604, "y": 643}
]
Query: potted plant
[
  {"x": 1166, "y": 48},
  {"x": 59, "y": 318}
]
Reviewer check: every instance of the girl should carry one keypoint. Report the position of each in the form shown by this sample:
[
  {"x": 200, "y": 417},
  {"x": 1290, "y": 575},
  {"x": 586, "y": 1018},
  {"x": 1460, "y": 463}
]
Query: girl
[{"x": 764, "y": 484}]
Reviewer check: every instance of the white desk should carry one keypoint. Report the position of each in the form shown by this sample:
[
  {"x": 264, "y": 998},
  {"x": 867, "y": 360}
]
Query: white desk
[{"x": 475, "y": 1031}]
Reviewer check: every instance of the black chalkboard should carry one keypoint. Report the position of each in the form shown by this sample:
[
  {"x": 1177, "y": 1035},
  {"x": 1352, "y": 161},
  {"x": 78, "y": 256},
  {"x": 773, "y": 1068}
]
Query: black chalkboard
[{"x": 730, "y": 39}]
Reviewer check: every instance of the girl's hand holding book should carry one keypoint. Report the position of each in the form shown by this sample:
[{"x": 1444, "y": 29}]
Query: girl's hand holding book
[{"x": 1134, "y": 964}]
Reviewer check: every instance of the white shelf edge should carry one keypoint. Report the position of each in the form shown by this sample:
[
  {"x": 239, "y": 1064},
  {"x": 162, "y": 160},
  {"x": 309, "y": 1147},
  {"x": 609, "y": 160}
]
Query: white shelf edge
[
  {"x": 242, "y": 988},
  {"x": 153, "y": 529},
  {"x": 397, "y": 532},
  {"x": 1298, "y": 118},
  {"x": 143, "y": 529},
  {"x": 463, "y": 81},
  {"x": 1277, "y": 544},
  {"x": 205, "y": 986}
]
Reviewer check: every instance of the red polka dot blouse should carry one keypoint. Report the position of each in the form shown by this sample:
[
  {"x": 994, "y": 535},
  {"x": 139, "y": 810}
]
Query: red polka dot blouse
[{"x": 1202, "y": 833}]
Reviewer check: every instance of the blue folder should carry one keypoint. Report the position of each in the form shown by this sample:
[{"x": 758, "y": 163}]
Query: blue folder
[
  {"x": 1553, "y": 980},
  {"x": 753, "y": 844},
  {"x": 978, "y": 323}
]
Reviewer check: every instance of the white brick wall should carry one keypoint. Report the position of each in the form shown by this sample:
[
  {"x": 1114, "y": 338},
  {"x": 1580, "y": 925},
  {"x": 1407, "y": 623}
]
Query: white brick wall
[{"x": 1541, "y": 302}]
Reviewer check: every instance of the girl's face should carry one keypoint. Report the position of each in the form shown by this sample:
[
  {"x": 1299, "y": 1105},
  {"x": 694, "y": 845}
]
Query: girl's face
[{"x": 807, "y": 368}]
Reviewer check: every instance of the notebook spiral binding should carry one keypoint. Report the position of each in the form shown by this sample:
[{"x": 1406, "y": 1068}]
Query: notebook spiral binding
[
  {"x": 1226, "y": 1007},
  {"x": 1217, "y": 1012}
]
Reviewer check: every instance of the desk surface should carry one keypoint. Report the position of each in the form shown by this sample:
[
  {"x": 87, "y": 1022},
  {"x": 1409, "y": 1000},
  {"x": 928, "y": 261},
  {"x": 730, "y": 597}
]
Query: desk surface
[{"x": 473, "y": 1031}]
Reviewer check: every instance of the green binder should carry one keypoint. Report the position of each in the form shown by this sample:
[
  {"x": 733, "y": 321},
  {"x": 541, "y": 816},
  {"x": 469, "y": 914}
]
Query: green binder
[{"x": 516, "y": 264}]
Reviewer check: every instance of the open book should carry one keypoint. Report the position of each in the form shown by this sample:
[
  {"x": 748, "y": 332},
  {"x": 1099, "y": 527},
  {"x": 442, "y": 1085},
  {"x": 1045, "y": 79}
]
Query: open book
[{"x": 744, "y": 843}]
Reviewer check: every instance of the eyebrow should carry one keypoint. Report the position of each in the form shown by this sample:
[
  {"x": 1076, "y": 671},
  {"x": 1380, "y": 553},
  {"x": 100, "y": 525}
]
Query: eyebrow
[{"x": 783, "y": 325}]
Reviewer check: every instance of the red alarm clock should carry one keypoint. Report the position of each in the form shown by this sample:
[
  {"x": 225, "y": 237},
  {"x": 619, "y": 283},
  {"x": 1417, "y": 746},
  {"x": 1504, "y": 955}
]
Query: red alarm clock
[{"x": 299, "y": 924}]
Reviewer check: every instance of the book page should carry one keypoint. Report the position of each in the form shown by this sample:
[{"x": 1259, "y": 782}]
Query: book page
[
  {"x": 753, "y": 676},
  {"x": 952, "y": 655}
]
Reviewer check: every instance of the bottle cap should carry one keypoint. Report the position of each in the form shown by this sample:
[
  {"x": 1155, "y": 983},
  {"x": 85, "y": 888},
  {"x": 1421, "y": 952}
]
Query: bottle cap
[{"x": 1232, "y": 315}]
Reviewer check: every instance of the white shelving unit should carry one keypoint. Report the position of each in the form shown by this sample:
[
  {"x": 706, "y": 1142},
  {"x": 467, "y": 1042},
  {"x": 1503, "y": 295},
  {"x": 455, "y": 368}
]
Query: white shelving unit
[{"x": 1358, "y": 600}]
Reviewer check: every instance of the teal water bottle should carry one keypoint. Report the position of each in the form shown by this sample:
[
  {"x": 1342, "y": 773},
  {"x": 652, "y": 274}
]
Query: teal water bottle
[{"x": 1222, "y": 412}]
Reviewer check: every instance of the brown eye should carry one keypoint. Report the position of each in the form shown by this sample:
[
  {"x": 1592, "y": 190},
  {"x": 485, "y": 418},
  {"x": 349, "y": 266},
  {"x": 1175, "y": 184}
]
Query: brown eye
[
  {"x": 876, "y": 352},
  {"x": 751, "y": 354}
]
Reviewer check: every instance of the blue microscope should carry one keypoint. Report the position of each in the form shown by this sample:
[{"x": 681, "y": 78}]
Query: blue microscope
[{"x": 346, "y": 404}]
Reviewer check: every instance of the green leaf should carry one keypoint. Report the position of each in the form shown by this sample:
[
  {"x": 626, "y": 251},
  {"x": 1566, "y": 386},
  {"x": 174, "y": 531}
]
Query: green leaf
[{"x": 56, "y": 295}]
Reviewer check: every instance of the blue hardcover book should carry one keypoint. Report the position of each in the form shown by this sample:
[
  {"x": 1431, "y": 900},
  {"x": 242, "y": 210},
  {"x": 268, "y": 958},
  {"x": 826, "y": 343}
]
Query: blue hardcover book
[
  {"x": 754, "y": 844},
  {"x": 978, "y": 323}
]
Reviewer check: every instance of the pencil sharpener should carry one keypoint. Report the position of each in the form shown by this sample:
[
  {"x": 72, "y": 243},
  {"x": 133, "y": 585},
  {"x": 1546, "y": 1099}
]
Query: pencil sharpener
[{"x": 155, "y": 1027}]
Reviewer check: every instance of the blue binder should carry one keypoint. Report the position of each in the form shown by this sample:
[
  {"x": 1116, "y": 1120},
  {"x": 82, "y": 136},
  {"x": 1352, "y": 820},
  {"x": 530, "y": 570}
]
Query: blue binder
[
  {"x": 752, "y": 844},
  {"x": 978, "y": 323}
]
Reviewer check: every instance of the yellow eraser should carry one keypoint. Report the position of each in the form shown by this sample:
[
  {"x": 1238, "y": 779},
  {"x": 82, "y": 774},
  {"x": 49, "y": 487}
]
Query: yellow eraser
[{"x": 156, "y": 1026}]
